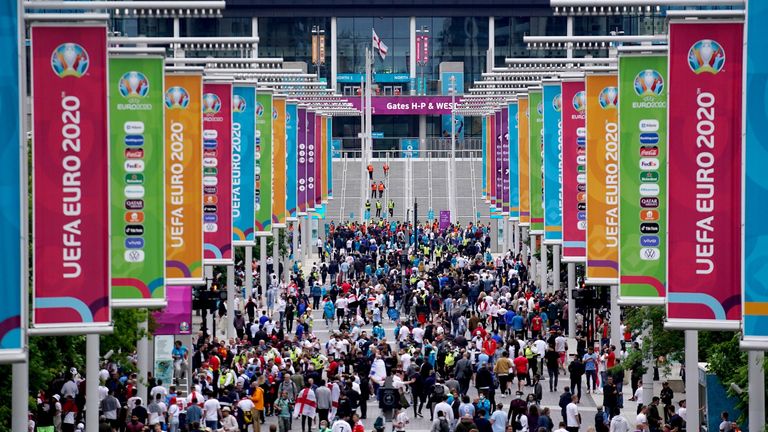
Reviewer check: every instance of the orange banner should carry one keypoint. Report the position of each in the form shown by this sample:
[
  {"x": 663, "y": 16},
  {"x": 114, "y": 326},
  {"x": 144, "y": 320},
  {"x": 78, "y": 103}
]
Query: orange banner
[
  {"x": 524, "y": 155},
  {"x": 278, "y": 159},
  {"x": 602, "y": 179},
  {"x": 184, "y": 179}
]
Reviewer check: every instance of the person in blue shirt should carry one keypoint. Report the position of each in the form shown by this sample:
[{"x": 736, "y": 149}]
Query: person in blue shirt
[
  {"x": 329, "y": 311},
  {"x": 517, "y": 325},
  {"x": 590, "y": 368},
  {"x": 180, "y": 353}
]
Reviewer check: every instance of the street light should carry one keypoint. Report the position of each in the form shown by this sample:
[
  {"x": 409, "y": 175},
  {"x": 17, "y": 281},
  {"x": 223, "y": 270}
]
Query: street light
[
  {"x": 452, "y": 89},
  {"x": 318, "y": 48},
  {"x": 422, "y": 55}
]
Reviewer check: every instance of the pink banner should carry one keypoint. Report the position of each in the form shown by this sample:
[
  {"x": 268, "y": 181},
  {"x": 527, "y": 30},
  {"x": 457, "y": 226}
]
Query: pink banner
[
  {"x": 176, "y": 317},
  {"x": 704, "y": 263},
  {"x": 405, "y": 105},
  {"x": 71, "y": 183},
  {"x": 318, "y": 137},
  {"x": 217, "y": 164},
  {"x": 574, "y": 172}
]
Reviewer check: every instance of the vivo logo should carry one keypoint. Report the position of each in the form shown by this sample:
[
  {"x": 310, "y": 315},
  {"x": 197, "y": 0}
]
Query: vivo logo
[{"x": 649, "y": 241}]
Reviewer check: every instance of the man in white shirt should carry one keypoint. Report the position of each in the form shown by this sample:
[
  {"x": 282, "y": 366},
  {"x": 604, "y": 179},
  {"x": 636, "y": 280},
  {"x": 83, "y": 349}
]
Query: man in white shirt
[
  {"x": 418, "y": 334},
  {"x": 619, "y": 424},
  {"x": 444, "y": 407},
  {"x": 499, "y": 419},
  {"x": 158, "y": 389},
  {"x": 403, "y": 335},
  {"x": 642, "y": 418},
  {"x": 572, "y": 416},
  {"x": 211, "y": 413},
  {"x": 405, "y": 359},
  {"x": 341, "y": 425}
]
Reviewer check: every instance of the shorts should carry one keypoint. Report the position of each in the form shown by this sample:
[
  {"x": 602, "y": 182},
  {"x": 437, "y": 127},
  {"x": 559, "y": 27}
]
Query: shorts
[{"x": 522, "y": 376}]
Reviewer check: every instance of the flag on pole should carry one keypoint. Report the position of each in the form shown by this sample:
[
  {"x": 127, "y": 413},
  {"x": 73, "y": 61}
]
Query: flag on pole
[
  {"x": 379, "y": 45},
  {"x": 306, "y": 403}
]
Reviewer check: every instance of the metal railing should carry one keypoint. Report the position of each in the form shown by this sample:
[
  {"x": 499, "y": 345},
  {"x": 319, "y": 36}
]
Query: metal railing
[
  {"x": 382, "y": 155},
  {"x": 392, "y": 147}
]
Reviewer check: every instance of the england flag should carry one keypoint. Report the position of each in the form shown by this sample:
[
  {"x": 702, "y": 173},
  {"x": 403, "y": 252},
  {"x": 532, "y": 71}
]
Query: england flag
[{"x": 379, "y": 45}]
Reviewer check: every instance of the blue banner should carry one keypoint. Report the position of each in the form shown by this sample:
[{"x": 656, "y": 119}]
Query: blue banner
[
  {"x": 514, "y": 172},
  {"x": 243, "y": 164},
  {"x": 11, "y": 237},
  {"x": 409, "y": 147},
  {"x": 445, "y": 80},
  {"x": 553, "y": 163},
  {"x": 329, "y": 158},
  {"x": 755, "y": 286},
  {"x": 291, "y": 116},
  {"x": 336, "y": 148}
]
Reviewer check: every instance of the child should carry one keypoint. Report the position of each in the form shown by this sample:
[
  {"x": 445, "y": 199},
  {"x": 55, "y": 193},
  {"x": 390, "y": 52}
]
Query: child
[
  {"x": 401, "y": 420},
  {"x": 324, "y": 426}
]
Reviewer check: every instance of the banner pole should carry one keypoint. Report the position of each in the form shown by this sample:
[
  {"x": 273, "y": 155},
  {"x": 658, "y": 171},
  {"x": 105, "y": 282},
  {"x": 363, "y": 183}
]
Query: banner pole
[
  {"x": 20, "y": 403},
  {"x": 532, "y": 272},
  {"x": 692, "y": 378},
  {"x": 248, "y": 272},
  {"x": 295, "y": 241},
  {"x": 571, "y": 301},
  {"x": 524, "y": 247},
  {"x": 616, "y": 317},
  {"x": 544, "y": 284},
  {"x": 276, "y": 252},
  {"x": 756, "y": 375},
  {"x": 262, "y": 270},
  {"x": 142, "y": 355},
  {"x": 92, "y": 382},
  {"x": 555, "y": 268},
  {"x": 648, "y": 364},
  {"x": 231, "y": 302}
]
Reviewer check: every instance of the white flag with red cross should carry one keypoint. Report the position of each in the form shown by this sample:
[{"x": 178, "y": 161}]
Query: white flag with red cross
[
  {"x": 379, "y": 45},
  {"x": 306, "y": 403}
]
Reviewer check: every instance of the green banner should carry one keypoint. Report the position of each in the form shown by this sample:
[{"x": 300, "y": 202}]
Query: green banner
[
  {"x": 643, "y": 178},
  {"x": 263, "y": 153},
  {"x": 536, "y": 165},
  {"x": 136, "y": 143}
]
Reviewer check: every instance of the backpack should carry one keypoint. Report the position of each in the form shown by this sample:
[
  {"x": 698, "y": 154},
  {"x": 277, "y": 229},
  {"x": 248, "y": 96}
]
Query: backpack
[
  {"x": 517, "y": 423},
  {"x": 444, "y": 427},
  {"x": 439, "y": 391}
]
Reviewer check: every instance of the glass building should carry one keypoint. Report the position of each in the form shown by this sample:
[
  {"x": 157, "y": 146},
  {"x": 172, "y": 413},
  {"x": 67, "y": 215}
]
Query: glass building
[{"x": 461, "y": 34}]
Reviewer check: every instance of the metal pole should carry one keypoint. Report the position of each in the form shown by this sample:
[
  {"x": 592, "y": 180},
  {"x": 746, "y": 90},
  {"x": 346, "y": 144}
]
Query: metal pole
[
  {"x": 20, "y": 399},
  {"x": 412, "y": 62},
  {"x": 516, "y": 238},
  {"x": 505, "y": 235},
  {"x": 248, "y": 271},
  {"x": 556, "y": 268},
  {"x": 276, "y": 252},
  {"x": 571, "y": 302},
  {"x": 295, "y": 241},
  {"x": 453, "y": 150},
  {"x": 615, "y": 317},
  {"x": 569, "y": 33},
  {"x": 334, "y": 60},
  {"x": 92, "y": 382},
  {"x": 544, "y": 271},
  {"x": 231, "y": 302},
  {"x": 692, "y": 379},
  {"x": 533, "y": 269},
  {"x": 263, "y": 267},
  {"x": 756, "y": 375},
  {"x": 648, "y": 375},
  {"x": 524, "y": 246},
  {"x": 255, "y": 33},
  {"x": 142, "y": 354}
]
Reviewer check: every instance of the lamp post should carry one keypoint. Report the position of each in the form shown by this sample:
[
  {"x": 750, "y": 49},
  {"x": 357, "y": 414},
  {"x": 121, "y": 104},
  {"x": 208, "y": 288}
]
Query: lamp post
[
  {"x": 422, "y": 55},
  {"x": 453, "y": 146},
  {"x": 318, "y": 48}
]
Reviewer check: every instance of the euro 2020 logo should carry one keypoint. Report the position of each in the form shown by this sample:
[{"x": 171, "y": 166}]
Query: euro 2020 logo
[
  {"x": 579, "y": 101},
  {"x": 609, "y": 98},
  {"x": 133, "y": 84},
  {"x": 540, "y": 108},
  {"x": 176, "y": 98},
  {"x": 259, "y": 109},
  {"x": 69, "y": 59},
  {"x": 557, "y": 102},
  {"x": 211, "y": 103},
  {"x": 649, "y": 83},
  {"x": 706, "y": 55},
  {"x": 238, "y": 104}
]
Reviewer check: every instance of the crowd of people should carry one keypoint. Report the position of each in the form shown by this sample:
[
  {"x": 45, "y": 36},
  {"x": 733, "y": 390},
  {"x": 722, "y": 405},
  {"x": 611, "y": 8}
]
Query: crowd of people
[{"x": 476, "y": 342}]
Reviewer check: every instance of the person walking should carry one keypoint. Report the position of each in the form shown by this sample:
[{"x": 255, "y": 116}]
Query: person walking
[
  {"x": 373, "y": 189},
  {"x": 576, "y": 369},
  {"x": 391, "y": 208},
  {"x": 283, "y": 408},
  {"x": 370, "y": 171},
  {"x": 381, "y": 188},
  {"x": 572, "y": 415},
  {"x": 386, "y": 169},
  {"x": 378, "y": 209}
]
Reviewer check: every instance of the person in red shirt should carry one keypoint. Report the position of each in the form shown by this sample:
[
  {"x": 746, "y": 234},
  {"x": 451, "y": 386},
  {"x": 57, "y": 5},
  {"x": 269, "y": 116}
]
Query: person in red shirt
[
  {"x": 370, "y": 172},
  {"x": 610, "y": 360},
  {"x": 489, "y": 346},
  {"x": 536, "y": 325},
  {"x": 521, "y": 369}
]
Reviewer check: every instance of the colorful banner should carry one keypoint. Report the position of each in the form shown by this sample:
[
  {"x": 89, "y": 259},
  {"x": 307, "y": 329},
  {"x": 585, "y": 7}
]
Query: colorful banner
[
  {"x": 291, "y": 185},
  {"x": 279, "y": 214},
  {"x": 176, "y": 317},
  {"x": 484, "y": 144},
  {"x": 70, "y": 178},
  {"x": 301, "y": 162},
  {"x": 309, "y": 130},
  {"x": 491, "y": 161},
  {"x": 329, "y": 154},
  {"x": 324, "y": 158},
  {"x": 523, "y": 116},
  {"x": 705, "y": 60},
  {"x": 755, "y": 290},
  {"x": 514, "y": 173},
  {"x": 499, "y": 137},
  {"x": 536, "y": 161},
  {"x": 643, "y": 178},
  {"x": 574, "y": 171},
  {"x": 12, "y": 243},
  {"x": 263, "y": 153},
  {"x": 184, "y": 179},
  {"x": 504, "y": 160},
  {"x": 411, "y": 105},
  {"x": 553, "y": 163},
  {"x": 445, "y": 219},
  {"x": 602, "y": 179},
  {"x": 318, "y": 138},
  {"x": 243, "y": 164},
  {"x": 217, "y": 167},
  {"x": 138, "y": 236},
  {"x": 496, "y": 160}
]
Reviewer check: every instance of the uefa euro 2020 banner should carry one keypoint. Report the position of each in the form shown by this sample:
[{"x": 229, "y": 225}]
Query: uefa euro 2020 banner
[
  {"x": 329, "y": 154},
  {"x": 514, "y": 174},
  {"x": 536, "y": 159},
  {"x": 184, "y": 183},
  {"x": 643, "y": 178},
  {"x": 704, "y": 235},
  {"x": 291, "y": 169},
  {"x": 279, "y": 213},
  {"x": 263, "y": 154},
  {"x": 309, "y": 131},
  {"x": 12, "y": 241},
  {"x": 755, "y": 309},
  {"x": 71, "y": 177},
  {"x": 552, "y": 100},
  {"x": 301, "y": 162},
  {"x": 504, "y": 160},
  {"x": 137, "y": 148},
  {"x": 602, "y": 179},
  {"x": 243, "y": 135},
  {"x": 217, "y": 165},
  {"x": 574, "y": 132},
  {"x": 524, "y": 149}
]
